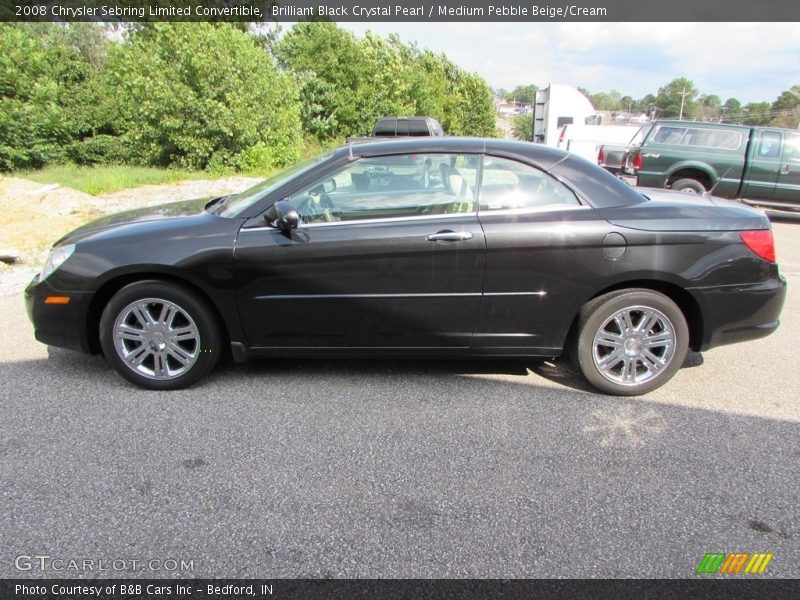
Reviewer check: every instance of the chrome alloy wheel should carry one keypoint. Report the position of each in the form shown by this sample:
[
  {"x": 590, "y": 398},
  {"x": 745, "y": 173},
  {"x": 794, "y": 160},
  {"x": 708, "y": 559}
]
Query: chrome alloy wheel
[
  {"x": 156, "y": 338},
  {"x": 634, "y": 345}
]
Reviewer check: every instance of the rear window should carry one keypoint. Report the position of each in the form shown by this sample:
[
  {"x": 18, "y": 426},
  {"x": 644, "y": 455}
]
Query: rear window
[
  {"x": 385, "y": 127},
  {"x": 417, "y": 127},
  {"x": 698, "y": 136}
]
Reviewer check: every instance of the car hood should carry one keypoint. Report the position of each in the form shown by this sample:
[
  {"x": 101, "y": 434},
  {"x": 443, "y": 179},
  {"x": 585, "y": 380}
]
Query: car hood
[
  {"x": 667, "y": 210},
  {"x": 172, "y": 210}
]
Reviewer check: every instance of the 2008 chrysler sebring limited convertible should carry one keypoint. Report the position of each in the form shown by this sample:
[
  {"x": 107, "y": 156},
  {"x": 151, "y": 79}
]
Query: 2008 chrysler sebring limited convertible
[{"x": 424, "y": 247}]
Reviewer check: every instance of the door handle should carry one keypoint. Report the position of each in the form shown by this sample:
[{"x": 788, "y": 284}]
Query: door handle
[
  {"x": 784, "y": 169},
  {"x": 449, "y": 236}
]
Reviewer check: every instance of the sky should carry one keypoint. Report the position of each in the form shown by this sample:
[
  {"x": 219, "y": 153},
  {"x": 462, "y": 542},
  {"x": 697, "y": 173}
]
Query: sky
[{"x": 753, "y": 62}]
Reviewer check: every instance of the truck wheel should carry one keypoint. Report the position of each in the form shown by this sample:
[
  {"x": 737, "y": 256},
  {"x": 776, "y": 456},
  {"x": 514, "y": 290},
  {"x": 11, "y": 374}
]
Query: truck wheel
[
  {"x": 630, "y": 342},
  {"x": 691, "y": 186}
]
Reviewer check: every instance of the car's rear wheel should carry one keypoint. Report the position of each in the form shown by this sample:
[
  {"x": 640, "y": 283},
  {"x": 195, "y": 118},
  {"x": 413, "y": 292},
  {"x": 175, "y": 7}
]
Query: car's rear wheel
[
  {"x": 159, "y": 336},
  {"x": 630, "y": 342},
  {"x": 691, "y": 186}
]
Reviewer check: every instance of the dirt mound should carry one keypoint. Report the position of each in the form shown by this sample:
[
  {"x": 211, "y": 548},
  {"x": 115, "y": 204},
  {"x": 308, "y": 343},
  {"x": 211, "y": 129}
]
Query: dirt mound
[{"x": 34, "y": 215}]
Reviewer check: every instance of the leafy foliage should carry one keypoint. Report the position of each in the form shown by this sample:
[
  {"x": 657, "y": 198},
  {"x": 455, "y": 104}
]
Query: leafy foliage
[
  {"x": 40, "y": 84},
  {"x": 522, "y": 126},
  {"x": 347, "y": 83},
  {"x": 180, "y": 104},
  {"x": 522, "y": 93}
]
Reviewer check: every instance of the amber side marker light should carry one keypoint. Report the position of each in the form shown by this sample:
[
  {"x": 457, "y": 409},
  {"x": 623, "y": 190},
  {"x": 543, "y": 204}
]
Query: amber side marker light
[{"x": 56, "y": 300}]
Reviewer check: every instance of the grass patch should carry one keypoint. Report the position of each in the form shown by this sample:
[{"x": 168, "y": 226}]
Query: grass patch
[{"x": 107, "y": 179}]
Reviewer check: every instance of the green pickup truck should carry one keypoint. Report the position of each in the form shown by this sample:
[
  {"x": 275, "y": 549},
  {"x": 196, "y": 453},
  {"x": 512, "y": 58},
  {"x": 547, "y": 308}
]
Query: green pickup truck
[{"x": 759, "y": 165}]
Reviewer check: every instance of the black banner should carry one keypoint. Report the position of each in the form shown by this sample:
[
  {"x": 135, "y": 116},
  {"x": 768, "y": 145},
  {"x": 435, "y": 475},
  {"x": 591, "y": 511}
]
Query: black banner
[
  {"x": 394, "y": 10},
  {"x": 459, "y": 589}
]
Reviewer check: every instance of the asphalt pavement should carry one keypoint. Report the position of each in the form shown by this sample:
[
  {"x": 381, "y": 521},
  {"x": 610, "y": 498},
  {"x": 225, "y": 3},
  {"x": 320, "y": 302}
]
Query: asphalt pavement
[{"x": 290, "y": 468}]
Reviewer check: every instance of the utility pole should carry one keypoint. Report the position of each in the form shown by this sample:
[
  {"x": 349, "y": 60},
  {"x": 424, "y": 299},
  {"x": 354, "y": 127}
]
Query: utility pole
[{"x": 684, "y": 93}]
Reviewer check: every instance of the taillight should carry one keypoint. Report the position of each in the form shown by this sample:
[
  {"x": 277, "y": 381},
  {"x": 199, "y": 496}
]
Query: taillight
[
  {"x": 561, "y": 137},
  {"x": 760, "y": 242},
  {"x": 637, "y": 161},
  {"x": 601, "y": 156}
]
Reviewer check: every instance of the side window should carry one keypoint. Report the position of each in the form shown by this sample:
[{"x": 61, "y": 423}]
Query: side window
[
  {"x": 669, "y": 135},
  {"x": 402, "y": 185},
  {"x": 770, "y": 145},
  {"x": 561, "y": 121},
  {"x": 509, "y": 185},
  {"x": 791, "y": 148}
]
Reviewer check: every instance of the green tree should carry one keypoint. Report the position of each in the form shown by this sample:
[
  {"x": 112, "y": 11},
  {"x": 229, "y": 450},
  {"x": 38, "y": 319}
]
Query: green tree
[
  {"x": 39, "y": 84},
  {"x": 522, "y": 127},
  {"x": 757, "y": 113},
  {"x": 607, "y": 101},
  {"x": 786, "y": 109},
  {"x": 709, "y": 107},
  {"x": 628, "y": 104},
  {"x": 348, "y": 83},
  {"x": 476, "y": 107},
  {"x": 522, "y": 93},
  {"x": 678, "y": 92},
  {"x": 333, "y": 57},
  {"x": 179, "y": 103},
  {"x": 788, "y": 99},
  {"x": 732, "y": 110}
]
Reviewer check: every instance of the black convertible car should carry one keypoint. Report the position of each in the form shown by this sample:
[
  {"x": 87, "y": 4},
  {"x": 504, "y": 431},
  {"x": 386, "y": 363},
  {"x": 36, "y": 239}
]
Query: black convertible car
[{"x": 447, "y": 247}]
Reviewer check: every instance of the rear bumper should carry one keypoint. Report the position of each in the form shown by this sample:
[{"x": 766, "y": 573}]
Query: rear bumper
[
  {"x": 738, "y": 313},
  {"x": 62, "y": 325}
]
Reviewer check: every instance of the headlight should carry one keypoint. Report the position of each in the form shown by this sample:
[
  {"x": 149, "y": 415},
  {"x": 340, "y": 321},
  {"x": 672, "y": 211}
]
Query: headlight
[{"x": 57, "y": 257}]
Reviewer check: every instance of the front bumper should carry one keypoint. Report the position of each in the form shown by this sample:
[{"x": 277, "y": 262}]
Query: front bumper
[
  {"x": 738, "y": 313},
  {"x": 62, "y": 325}
]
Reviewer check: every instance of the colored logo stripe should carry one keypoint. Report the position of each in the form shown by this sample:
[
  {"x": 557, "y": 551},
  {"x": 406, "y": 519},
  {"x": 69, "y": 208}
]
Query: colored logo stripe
[
  {"x": 720, "y": 562},
  {"x": 734, "y": 562},
  {"x": 758, "y": 563},
  {"x": 711, "y": 563}
]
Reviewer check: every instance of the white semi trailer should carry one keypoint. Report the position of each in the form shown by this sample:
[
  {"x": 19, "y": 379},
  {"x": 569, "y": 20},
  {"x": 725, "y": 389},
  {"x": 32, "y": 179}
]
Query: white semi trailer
[{"x": 558, "y": 105}]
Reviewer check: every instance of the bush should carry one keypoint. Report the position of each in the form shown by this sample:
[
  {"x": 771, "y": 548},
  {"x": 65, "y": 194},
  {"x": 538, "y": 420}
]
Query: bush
[
  {"x": 37, "y": 83},
  {"x": 101, "y": 150},
  {"x": 180, "y": 103}
]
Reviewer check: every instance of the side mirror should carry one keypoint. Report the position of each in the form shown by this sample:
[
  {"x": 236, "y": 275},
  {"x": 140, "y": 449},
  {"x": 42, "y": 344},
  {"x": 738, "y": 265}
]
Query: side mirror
[{"x": 282, "y": 215}]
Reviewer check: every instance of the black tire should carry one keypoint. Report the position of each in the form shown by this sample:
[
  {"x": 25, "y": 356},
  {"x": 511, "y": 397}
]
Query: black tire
[
  {"x": 690, "y": 186},
  {"x": 639, "y": 361},
  {"x": 179, "y": 345}
]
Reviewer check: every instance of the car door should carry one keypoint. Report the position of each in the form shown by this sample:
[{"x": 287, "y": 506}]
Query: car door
[
  {"x": 542, "y": 251},
  {"x": 787, "y": 188},
  {"x": 763, "y": 167},
  {"x": 386, "y": 255}
]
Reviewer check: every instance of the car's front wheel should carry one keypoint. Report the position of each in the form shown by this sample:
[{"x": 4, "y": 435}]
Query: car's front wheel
[
  {"x": 159, "y": 336},
  {"x": 630, "y": 342}
]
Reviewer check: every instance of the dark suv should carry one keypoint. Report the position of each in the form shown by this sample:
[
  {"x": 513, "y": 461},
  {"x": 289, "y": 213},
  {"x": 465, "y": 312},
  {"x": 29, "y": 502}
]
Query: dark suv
[{"x": 407, "y": 126}]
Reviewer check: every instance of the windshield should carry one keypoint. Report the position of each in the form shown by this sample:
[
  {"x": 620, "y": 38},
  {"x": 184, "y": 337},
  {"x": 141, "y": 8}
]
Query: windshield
[{"x": 238, "y": 203}]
